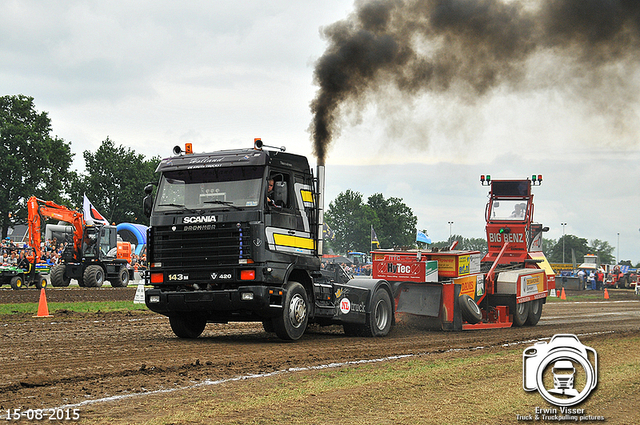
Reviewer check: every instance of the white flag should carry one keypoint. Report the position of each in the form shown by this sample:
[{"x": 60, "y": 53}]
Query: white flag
[{"x": 91, "y": 215}]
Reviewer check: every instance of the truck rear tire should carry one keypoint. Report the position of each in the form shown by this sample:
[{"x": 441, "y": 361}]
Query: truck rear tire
[
  {"x": 58, "y": 278},
  {"x": 123, "y": 278},
  {"x": 380, "y": 318},
  {"x": 17, "y": 282},
  {"x": 521, "y": 314},
  {"x": 470, "y": 310},
  {"x": 535, "y": 311},
  {"x": 187, "y": 326},
  {"x": 292, "y": 323},
  {"x": 93, "y": 276}
]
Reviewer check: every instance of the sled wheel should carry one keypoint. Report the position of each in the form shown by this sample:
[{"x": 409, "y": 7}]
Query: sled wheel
[
  {"x": 521, "y": 314},
  {"x": 535, "y": 311},
  {"x": 187, "y": 326},
  {"x": 58, "y": 278},
  {"x": 470, "y": 310},
  {"x": 292, "y": 323},
  {"x": 93, "y": 276}
]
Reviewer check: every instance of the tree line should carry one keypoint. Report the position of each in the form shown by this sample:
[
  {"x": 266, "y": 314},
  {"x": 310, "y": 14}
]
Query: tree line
[{"x": 33, "y": 162}]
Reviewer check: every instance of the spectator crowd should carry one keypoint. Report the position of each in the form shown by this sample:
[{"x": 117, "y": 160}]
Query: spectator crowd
[{"x": 16, "y": 254}]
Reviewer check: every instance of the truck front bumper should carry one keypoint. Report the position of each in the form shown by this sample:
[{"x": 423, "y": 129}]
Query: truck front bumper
[{"x": 243, "y": 303}]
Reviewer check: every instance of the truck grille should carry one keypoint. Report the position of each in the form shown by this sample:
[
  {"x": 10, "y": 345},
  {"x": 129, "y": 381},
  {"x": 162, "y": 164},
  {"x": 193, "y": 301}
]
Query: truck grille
[{"x": 196, "y": 246}]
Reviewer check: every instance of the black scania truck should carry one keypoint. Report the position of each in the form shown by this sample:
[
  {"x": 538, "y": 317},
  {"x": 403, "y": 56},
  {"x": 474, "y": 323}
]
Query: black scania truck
[{"x": 223, "y": 247}]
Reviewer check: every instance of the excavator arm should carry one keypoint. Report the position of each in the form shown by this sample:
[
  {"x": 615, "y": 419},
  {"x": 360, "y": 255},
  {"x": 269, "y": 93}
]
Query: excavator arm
[{"x": 37, "y": 208}]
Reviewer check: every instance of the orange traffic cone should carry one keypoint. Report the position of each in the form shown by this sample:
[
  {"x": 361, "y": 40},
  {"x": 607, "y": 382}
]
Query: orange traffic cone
[
  {"x": 606, "y": 294},
  {"x": 563, "y": 296},
  {"x": 43, "y": 309}
]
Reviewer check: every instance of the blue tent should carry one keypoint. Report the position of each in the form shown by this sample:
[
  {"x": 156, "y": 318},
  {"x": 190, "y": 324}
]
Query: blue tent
[{"x": 134, "y": 233}]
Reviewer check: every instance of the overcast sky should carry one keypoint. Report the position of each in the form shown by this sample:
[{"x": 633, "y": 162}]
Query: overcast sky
[{"x": 154, "y": 74}]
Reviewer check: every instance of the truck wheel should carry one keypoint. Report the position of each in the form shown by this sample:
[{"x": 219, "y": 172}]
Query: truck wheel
[
  {"x": 267, "y": 324},
  {"x": 93, "y": 276},
  {"x": 123, "y": 278},
  {"x": 521, "y": 314},
  {"x": 380, "y": 318},
  {"x": 17, "y": 282},
  {"x": 187, "y": 326},
  {"x": 535, "y": 311},
  {"x": 292, "y": 323},
  {"x": 352, "y": 329},
  {"x": 470, "y": 310},
  {"x": 58, "y": 278},
  {"x": 41, "y": 281}
]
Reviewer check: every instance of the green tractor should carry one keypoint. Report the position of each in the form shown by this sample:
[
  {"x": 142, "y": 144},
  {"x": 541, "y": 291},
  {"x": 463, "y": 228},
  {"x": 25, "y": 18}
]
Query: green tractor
[{"x": 19, "y": 278}]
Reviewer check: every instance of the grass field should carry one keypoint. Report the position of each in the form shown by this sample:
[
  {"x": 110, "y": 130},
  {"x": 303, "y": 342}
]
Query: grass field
[{"x": 80, "y": 307}]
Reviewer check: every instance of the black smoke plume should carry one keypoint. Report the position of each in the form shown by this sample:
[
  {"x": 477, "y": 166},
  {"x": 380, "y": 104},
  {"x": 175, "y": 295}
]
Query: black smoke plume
[{"x": 470, "y": 46}]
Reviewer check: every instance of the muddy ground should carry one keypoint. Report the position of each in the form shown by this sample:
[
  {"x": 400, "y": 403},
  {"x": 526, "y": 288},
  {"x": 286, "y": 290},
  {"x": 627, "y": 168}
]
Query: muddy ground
[{"x": 74, "y": 357}]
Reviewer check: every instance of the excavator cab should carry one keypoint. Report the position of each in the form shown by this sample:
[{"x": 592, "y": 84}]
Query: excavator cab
[{"x": 99, "y": 242}]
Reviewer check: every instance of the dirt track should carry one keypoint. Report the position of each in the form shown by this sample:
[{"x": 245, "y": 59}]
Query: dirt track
[{"x": 72, "y": 357}]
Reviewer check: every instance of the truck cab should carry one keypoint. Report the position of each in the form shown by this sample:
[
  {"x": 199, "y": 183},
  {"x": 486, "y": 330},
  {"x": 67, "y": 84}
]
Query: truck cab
[{"x": 236, "y": 236}]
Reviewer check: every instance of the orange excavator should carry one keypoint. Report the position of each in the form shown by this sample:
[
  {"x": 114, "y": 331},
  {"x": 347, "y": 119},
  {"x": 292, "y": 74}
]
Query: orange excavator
[{"x": 92, "y": 253}]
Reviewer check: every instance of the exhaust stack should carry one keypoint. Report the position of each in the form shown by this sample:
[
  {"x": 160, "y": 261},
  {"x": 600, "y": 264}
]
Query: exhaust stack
[{"x": 320, "y": 192}]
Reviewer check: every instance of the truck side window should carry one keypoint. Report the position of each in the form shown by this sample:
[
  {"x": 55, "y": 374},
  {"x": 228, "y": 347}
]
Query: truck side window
[{"x": 280, "y": 194}]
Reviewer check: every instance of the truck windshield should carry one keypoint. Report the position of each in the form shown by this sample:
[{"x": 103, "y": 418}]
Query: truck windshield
[
  {"x": 508, "y": 209},
  {"x": 222, "y": 187}
]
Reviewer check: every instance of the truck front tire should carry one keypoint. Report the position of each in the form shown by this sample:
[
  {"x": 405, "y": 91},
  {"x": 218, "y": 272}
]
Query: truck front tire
[
  {"x": 292, "y": 323},
  {"x": 187, "y": 326}
]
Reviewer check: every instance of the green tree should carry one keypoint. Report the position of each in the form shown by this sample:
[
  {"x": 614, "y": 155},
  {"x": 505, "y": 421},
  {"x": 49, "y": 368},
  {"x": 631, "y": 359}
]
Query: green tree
[
  {"x": 351, "y": 220},
  {"x": 114, "y": 181},
  {"x": 475, "y": 244},
  {"x": 604, "y": 251},
  {"x": 395, "y": 223},
  {"x": 470, "y": 244},
  {"x": 571, "y": 243},
  {"x": 548, "y": 244},
  {"x": 32, "y": 162}
]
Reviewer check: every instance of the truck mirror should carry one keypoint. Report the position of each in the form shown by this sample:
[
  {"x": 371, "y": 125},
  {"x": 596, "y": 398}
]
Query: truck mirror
[
  {"x": 147, "y": 204},
  {"x": 148, "y": 189}
]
